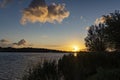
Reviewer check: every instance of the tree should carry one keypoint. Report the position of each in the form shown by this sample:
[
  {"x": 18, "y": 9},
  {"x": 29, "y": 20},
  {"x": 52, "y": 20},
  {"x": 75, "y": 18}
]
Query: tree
[
  {"x": 95, "y": 40},
  {"x": 112, "y": 22}
]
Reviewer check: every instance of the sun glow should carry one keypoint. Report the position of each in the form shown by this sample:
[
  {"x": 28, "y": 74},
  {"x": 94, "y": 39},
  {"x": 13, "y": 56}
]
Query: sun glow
[{"x": 76, "y": 48}]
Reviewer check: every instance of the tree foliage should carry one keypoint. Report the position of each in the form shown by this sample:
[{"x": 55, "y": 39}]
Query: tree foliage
[
  {"x": 105, "y": 35},
  {"x": 95, "y": 40},
  {"x": 112, "y": 21}
]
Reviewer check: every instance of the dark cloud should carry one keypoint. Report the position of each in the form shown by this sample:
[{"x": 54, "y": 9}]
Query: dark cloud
[
  {"x": 4, "y": 40},
  {"x": 19, "y": 44},
  {"x": 4, "y": 43},
  {"x": 39, "y": 11},
  {"x": 22, "y": 42}
]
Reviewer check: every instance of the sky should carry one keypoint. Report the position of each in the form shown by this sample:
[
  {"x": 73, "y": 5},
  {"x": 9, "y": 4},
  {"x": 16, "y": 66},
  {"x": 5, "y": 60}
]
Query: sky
[{"x": 53, "y": 24}]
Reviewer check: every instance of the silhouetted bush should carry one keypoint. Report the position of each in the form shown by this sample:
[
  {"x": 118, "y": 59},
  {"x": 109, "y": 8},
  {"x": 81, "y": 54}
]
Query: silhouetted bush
[
  {"x": 45, "y": 71},
  {"x": 102, "y": 74},
  {"x": 84, "y": 66}
]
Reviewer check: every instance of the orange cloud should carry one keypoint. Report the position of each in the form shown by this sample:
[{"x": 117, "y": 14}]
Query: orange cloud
[
  {"x": 38, "y": 11},
  {"x": 100, "y": 20}
]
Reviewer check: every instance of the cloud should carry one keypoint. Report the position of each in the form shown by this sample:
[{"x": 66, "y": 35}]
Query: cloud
[
  {"x": 39, "y": 11},
  {"x": 87, "y": 28},
  {"x": 81, "y": 17},
  {"x": 100, "y": 20},
  {"x": 19, "y": 44},
  {"x": 4, "y": 41},
  {"x": 22, "y": 42}
]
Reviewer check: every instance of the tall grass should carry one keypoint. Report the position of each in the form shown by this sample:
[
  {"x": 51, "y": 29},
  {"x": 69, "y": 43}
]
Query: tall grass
[{"x": 85, "y": 66}]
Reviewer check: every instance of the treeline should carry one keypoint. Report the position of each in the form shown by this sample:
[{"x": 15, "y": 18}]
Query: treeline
[
  {"x": 10, "y": 49},
  {"x": 85, "y": 66}
]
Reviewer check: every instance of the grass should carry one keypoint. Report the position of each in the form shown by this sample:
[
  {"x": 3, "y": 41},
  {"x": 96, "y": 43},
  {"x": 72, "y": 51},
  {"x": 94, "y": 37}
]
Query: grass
[{"x": 85, "y": 66}]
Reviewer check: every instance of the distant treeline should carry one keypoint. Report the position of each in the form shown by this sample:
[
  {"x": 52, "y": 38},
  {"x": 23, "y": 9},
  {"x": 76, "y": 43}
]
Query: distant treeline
[{"x": 10, "y": 49}]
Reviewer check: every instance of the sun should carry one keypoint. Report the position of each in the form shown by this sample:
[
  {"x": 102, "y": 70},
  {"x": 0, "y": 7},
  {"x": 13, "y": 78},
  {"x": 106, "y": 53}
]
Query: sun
[{"x": 75, "y": 48}]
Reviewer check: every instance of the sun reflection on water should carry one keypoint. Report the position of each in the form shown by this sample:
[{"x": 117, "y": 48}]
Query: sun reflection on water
[{"x": 75, "y": 54}]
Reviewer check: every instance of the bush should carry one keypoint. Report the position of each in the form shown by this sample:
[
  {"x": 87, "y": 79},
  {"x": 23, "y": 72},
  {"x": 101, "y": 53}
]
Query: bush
[
  {"x": 102, "y": 74},
  {"x": 45, "y": 71},
  {"x": 85, "y": 66}
]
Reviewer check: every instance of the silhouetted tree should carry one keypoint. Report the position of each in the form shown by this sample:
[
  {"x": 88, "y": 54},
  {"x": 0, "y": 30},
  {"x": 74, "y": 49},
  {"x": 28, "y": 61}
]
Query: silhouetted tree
[
  {"x": 95, "y": 40},
  {"x": 112, "y": 21}
]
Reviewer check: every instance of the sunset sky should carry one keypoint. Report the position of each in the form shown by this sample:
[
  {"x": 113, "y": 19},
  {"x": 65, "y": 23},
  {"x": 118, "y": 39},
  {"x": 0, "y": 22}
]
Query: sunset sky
[{"x": 54, "y": 24}]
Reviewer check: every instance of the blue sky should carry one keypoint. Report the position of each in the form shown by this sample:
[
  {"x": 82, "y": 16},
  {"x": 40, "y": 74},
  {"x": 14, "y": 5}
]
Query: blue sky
[{"x": 71, "y": 31}]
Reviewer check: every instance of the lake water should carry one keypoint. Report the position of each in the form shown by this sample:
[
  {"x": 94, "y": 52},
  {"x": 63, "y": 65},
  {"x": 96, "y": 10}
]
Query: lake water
[{"x": 14, "y": 65}]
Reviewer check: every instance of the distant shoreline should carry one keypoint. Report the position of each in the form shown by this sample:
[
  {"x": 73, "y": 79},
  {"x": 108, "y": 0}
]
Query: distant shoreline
[{"x": 30, "y": 50}]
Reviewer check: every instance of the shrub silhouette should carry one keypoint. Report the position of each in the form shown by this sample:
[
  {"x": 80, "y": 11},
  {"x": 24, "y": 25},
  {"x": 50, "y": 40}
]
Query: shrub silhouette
[
  {"x": 85, "y": 66},
  {"x": 102, "y": 74},
  {"x": 45, "y": 71}
]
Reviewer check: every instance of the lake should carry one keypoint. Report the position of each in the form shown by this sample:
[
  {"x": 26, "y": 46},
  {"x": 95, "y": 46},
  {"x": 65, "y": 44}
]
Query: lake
[{"x": 14, "y": 65}]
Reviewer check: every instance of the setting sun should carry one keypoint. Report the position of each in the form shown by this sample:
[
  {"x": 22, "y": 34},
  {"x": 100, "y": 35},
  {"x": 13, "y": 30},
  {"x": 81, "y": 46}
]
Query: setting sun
[{"x": 76, "y": 48}]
